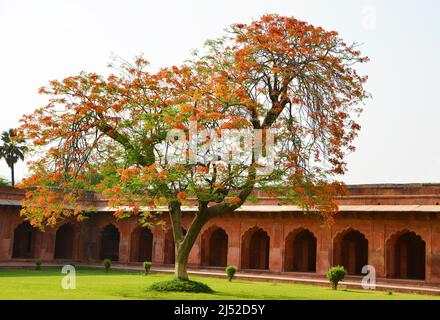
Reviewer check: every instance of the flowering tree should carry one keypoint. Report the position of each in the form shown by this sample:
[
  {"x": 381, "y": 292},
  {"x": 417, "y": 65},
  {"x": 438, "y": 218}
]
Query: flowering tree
[{"x": 286, "y": 89}]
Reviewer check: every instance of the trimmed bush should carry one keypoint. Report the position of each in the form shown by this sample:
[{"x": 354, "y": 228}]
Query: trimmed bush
[
  {"x": 230, "y": 272},
  {"x": 181, "y": 286},
  {"x": 38, "y": 264},
  {"x": 147, "y": 266},
  {"x": 336, "y": 274},
  {"x": 107, "y": 264}
]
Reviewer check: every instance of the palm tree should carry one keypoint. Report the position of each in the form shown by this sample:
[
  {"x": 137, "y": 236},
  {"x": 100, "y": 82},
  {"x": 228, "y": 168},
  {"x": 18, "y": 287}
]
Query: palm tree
[{"x": 12, "y": 150}]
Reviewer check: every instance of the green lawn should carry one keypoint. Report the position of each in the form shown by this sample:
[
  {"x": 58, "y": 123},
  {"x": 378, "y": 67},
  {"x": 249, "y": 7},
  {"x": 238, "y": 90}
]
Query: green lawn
[{"x": 96, "y": 284}]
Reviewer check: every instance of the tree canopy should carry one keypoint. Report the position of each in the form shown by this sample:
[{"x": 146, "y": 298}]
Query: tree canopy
[{"x": 277, "y": 77}]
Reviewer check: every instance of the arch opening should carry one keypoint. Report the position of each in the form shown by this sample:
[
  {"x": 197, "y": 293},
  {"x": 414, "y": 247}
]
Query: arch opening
[
  {"x": 351, "y": 251},
  {"x": 141, "y": 245},
  {"x": 24, "y": 241},
  {"x": 255, "y": 249},
  {"x": 64, "y": 240},
  {"x": 406, "y": 254},
  {"x": 300, "y": 252},
  {"x": 110, "y": 243},
  {"x": 214, "y": 249}
]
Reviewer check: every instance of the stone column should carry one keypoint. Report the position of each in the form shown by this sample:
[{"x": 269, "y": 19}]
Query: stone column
[
  {"x": 158, "y": 245},
  {"x": 434, "y": 253},
  {"x": 44, "y": 245},
  {"x": 234, "y": 242},
  {"x": 6, "y": 234},
  {"x": 376, "y": 249},
  {"x": 324, "y": 254},
  {"x": 275, "y": 252},
  {"x": 124, "y": 241},
  {"x": 427, "y": 235},
  {"x": 304, "y": 247}
]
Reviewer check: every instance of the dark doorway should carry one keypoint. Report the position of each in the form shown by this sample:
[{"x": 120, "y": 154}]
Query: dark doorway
[
  {"x": 255, "y": 249},
  {"x": 64, "y": 242},
  {"x": 145, "y": 243},
  {"x": 407, "y": 256},
  {"x": 24, "y": 241},
  {"x": 214, "y": 248},
  {"x": 351, "y": 251},
  {"x": 300, "y": 253},
  {"x": 110, "y": 243}
]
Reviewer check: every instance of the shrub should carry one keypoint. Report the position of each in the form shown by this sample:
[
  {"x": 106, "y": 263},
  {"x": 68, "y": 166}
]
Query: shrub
[
  {"x": 38, "y": 264},
  {"x": 336, "y": 274},
  {"x": 147, "y": 266},
  {"x": 181, "y": 286},
  {"x": 230, "y": 272},
  {"x": 107, "y": 264}
]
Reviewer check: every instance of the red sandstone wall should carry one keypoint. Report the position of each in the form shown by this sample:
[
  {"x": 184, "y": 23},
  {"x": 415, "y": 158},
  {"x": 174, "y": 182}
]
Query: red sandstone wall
[{"x": 377, "y": 227}]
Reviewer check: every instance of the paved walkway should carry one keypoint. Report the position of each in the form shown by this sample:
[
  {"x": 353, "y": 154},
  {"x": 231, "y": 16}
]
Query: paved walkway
[{"x": 351, "y": 282}]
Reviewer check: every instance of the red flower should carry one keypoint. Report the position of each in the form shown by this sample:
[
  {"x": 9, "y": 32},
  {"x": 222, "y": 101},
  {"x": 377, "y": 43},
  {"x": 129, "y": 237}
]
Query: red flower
[{"x": 181, "y": 195}]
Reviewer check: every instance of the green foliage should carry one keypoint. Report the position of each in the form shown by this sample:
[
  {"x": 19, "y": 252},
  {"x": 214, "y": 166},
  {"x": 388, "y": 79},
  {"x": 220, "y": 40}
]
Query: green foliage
[
  {"x": 335, "y": 275},
  {"x": 147, "y": 266},
  {"x": 107, "y": 264},
  {"x": 4, "y": 182},
  {"x": 230, "y": 271},
  {"x": 181, "y": 286},
  {"x": 38, "y": 264}
]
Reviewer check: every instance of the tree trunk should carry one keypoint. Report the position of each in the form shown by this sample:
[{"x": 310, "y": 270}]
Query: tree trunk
[
  {"x": 181, "y": 265},
  {"x": 12, "y": 175},
  {"x": 183, "y": 243}
]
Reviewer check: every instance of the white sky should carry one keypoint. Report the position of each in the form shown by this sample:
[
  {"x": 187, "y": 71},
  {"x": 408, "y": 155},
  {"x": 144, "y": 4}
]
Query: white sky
[{"x": 44, "y": 40}]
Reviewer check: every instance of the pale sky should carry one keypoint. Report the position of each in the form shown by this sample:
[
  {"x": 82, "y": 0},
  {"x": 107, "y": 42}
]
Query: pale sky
[{"x": 44, "y": 40}]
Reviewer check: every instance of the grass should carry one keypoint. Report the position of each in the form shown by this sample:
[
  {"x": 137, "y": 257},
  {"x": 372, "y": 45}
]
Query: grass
[{"x": 116, "y": 284}]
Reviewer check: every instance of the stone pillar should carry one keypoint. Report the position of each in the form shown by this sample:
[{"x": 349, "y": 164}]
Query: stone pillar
[
  {"x": 6, "y": 234},
  {"x": 158, "y": 245},
  {"x": 275, "y": 252},
  {"x": 76, "y": 244},
  {"x": 376, "y": 249},
  {"x": 428, "y": 255},
  {"x": 324, "y": 248},
  {"x": 304, "y": 254},
  {"x": 403, "y": 261},
  {"x": 5, "y": 249},
  {"x": 234, "y": 242},
  {"x": 44, "y": 245},
  {"x": 124, "y": 241},
  {"x": 352, "y": 257},
  {"x": 434, "y": 253},
  {"x": 89, "y": 241}
]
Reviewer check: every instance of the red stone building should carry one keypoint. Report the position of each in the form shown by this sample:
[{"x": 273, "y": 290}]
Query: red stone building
[{"x": 395, "y": 228}]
